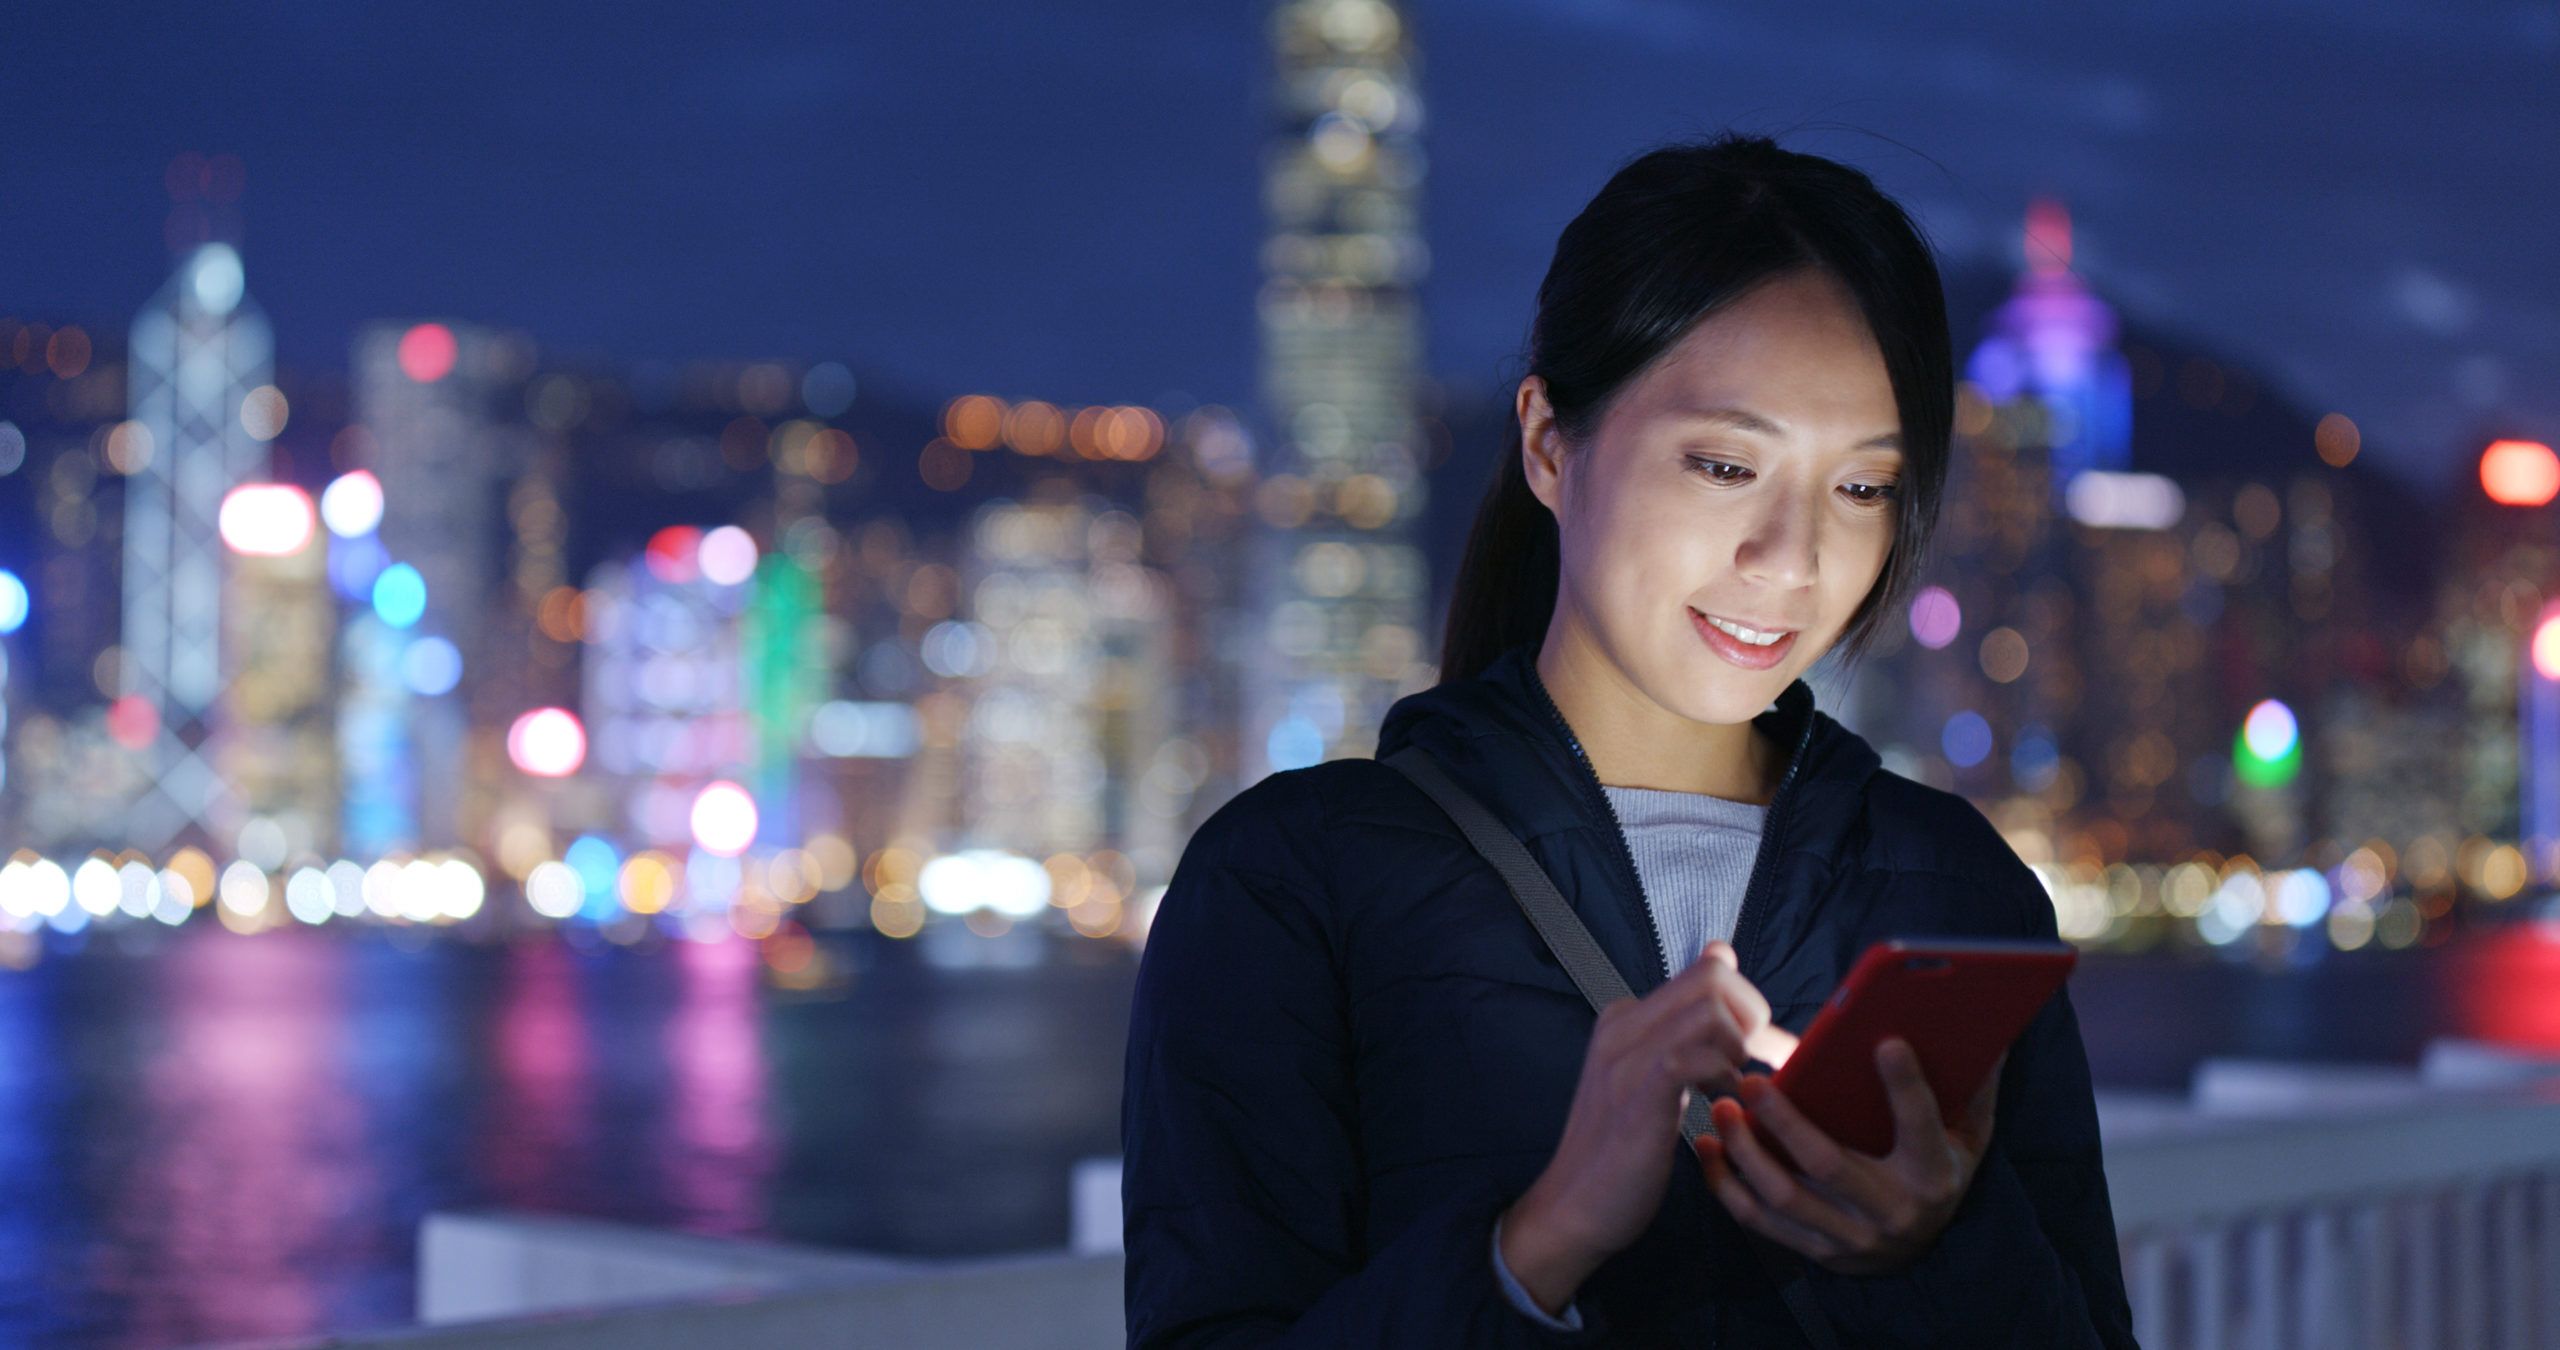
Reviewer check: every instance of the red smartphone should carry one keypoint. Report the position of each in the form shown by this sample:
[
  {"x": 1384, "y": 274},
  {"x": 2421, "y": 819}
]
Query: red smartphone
[{"x": 1958, "y": 1001}]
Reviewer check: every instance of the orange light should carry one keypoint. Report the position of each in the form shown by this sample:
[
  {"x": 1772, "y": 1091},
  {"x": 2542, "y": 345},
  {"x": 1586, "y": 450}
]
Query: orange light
[
  {"x": 2520, "y": 473},
  {"x": 2546, "y": 647}
]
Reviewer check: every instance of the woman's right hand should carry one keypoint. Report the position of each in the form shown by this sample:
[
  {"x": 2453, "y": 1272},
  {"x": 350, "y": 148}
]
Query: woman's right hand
[{"x": 1607, "y": 1178}]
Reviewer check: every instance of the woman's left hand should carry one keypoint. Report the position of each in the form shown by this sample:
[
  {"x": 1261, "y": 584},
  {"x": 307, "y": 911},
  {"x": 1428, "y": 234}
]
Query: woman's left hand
[{"x": 1850, "y": 1212}]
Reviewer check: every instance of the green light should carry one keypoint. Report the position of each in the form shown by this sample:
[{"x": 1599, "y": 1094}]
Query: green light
[{"x": 2259, "y": 771}]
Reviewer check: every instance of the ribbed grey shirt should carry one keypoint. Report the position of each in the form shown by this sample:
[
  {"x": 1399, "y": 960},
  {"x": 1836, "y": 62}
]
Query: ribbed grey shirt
[{"x": 1693, "y": 854}]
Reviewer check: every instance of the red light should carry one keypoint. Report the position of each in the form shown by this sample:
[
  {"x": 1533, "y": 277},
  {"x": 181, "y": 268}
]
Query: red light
[
  {"x": 2520, "y": 473},
  {"x": 132, "y": 722},
  {"x": 674, "y": 554},
  {"x": 426, "y": 352}
]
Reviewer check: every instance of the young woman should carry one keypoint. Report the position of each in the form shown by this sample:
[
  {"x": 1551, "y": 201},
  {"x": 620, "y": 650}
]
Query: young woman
[{"x": 1365, "y": 1106}]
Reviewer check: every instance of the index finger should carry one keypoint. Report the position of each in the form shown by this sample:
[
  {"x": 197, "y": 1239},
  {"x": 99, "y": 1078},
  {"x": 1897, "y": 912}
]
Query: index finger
[{"x": 1719, "y": 968}]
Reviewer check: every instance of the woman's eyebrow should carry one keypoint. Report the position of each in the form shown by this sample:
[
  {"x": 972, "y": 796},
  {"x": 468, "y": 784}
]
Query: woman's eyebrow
[{"x": 1743, "y": 419}]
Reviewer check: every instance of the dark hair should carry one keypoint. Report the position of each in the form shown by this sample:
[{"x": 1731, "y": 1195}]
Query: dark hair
[{"x": 1675, "y": 235}]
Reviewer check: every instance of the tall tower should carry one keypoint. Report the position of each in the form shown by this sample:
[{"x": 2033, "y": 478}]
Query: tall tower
[
  {"x": 1340, "y": 612},
  {"x": 2053, "y": 343},
  {"x": 428, "y": 394},
  {"x": 199, "y": 348}
]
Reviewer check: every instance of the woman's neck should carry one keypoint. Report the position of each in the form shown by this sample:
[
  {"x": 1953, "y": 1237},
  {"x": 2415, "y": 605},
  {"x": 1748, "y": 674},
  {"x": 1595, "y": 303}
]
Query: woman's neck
[{"x": 1633, "y": 741}]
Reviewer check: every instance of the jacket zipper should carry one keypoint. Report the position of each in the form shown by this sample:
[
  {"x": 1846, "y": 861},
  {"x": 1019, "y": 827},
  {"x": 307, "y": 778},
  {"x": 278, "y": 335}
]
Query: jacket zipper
[
  {"x": 1617, "y": 830},
  {"x": 1771, "y": 833}
]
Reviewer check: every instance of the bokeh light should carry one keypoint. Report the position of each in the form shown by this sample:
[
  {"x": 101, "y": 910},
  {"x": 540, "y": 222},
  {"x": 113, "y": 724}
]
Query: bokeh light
[
  {"x": 1935, "y": 617},
  {"x": 2520, "y": 473},
  {"x": 352, "y": 505},
  {"x": 400, "y": 596},
  {"x": 724, "y": 819},
  {"x": 727, "y": 556},
  {"x": 266, "y": 520},
  {"x": 427, "y": 352},
  {"x": 547, "y": 743}
]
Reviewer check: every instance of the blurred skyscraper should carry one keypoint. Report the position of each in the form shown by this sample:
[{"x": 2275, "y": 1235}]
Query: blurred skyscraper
[
  {"x": 1345, "y": 588},
  {"x": 428, "y": 396},
  {"x": 198, "y": 349}
]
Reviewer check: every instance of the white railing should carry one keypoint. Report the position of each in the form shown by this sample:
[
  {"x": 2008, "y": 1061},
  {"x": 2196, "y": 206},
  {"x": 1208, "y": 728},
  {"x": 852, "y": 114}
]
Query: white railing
[{"x": 2277, "y": 1206}]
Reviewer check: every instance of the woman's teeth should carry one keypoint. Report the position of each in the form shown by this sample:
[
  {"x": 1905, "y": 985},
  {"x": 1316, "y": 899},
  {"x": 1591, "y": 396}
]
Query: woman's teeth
[{"x": 1751, "y": 635}]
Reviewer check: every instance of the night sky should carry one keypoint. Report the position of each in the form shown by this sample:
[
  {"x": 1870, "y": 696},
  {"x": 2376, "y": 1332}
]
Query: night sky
[{"x": 1060, "y": 200}]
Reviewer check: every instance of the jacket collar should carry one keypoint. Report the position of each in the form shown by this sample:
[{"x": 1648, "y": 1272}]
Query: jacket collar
[{"x": 1501, "y": 736}]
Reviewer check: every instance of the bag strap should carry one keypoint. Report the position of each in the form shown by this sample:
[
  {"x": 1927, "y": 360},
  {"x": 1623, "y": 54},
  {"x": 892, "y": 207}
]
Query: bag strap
[{"x": 1592, "y": 972}]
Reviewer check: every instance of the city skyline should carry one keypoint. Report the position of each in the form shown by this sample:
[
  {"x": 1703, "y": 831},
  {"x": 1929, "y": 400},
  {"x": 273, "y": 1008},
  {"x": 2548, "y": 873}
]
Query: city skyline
[{"x": 762, "y": 187}]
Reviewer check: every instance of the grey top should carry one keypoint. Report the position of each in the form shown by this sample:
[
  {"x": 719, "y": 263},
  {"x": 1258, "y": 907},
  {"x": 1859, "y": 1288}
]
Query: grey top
[{"x": 1693, "y": 853}]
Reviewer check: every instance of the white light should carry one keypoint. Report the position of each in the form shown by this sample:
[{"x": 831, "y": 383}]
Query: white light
[
  {"x": 177, "y": 898},
  {"x": 262, "y": 842},
  {"x": 2124, "y": 501},
  {"x": 346, "y": 888},
  {"x": 95, "y": 887},
  {"x": 307, "y": 895},
  {"x": 242, "y": 889},
  {"x": 727, "y": 556},
  {"x": 352, "y": 505},
  {"x": 459, "y": 889},
  {"x": 2270, "y": 731},
  {"x": 416, "y": 890},
  {"x": 266, "y": 520},
  {"x": 48, "y": 886},
  {"x": 724, "y": 819},
  {"x": 382, "y": 889},
  {"x": 214, "y": 275},
  {"x": 984, "y": 878},
  {"x": 554, "y": 890},
  {"x": 138, "y": 889}
]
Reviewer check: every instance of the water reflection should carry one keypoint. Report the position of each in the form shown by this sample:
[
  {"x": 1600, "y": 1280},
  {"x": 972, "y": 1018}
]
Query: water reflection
[{"x": 208, "y": 1137}]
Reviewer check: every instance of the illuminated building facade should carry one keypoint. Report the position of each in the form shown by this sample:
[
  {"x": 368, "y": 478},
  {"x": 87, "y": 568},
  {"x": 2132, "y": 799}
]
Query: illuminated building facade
[
  {"x": 437, "y": 435},
  {"x": 198, "y": 350},
  {"x": 1345, "y": 588}
]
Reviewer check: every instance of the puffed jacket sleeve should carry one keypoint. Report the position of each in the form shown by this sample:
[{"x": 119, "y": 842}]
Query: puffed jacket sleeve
[
  {"x": 2030, "y": 1257},
  {"x": 1245, "y": 1221}
]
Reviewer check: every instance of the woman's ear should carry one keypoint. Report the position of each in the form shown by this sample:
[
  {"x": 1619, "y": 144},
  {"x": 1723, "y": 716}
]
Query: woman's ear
[{"x": 1542, "y": 448}]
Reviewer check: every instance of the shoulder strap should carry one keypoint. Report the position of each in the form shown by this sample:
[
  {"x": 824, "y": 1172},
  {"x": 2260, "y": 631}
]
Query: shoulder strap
[{"x": 1600, "y": 982}]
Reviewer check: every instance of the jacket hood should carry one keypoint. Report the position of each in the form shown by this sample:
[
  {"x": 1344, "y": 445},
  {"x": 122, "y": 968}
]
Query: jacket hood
[{"x": 1500, "y": 735}]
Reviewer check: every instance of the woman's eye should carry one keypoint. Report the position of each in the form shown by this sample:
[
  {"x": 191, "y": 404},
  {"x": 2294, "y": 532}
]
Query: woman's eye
[
  {"x": 1712, "y": 467},
  {"x": 1873, "y": 492}
]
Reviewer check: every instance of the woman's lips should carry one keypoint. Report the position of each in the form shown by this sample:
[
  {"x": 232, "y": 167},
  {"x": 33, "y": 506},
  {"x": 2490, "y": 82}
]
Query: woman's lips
[{"x": 1736, "y": 650}]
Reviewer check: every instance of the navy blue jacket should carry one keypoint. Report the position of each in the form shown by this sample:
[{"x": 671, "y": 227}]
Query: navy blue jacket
[{"x": 1350, "y": 1051}]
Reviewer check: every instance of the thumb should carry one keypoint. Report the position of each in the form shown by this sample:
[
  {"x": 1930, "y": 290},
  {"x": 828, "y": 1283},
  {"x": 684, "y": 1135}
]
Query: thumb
[{"x": 1717, "y": 949}]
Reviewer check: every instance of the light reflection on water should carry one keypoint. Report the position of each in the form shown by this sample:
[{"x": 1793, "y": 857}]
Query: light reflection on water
[
  {"x": 223, "y": 1137},
  {"x": 210, "y": 1137}
]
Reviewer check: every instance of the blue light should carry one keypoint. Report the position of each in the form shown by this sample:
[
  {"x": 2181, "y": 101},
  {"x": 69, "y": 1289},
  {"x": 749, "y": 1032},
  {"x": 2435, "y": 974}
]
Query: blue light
[
  {"x": 400, "y": 596},
  {"x": 13, "y": 602},
  {"x": 1295, "y": 743},
  {"x": 430, "y": 667},
  {"x": 595, "y": 862},
  {"x": 1967, "y": 739},
  {"x": 355, "y": 564},
  {"x": 2035, "y": 761}
]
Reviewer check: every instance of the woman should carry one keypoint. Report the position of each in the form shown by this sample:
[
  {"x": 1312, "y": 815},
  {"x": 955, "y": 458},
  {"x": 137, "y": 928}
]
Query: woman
[{"x": 1365, "y": 1106}]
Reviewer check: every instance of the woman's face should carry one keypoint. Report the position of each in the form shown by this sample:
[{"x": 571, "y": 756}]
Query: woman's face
[{"x": 1748, "y": 475}]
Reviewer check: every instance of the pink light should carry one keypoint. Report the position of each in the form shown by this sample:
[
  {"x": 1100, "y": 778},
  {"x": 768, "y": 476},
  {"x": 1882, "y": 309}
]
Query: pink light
[
  {"x": 426, "y": 352},
  {"x": 266, "y": 520},
  {"x": 1935, "y": 617},
  {"x": 724, "y": 819},
  {"x": 132, "y": 722},
  {"x": 547, "y": 743},
  {"x": 673, "y": 552}
]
